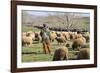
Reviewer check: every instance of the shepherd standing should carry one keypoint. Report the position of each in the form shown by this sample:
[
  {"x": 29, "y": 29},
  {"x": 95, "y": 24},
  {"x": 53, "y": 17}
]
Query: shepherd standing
[{"x": 45, "y": 34}]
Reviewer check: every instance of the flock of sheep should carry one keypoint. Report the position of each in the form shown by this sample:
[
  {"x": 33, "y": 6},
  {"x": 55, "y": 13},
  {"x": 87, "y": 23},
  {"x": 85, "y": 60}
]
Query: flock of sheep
[{"x": 79, "y": 40}]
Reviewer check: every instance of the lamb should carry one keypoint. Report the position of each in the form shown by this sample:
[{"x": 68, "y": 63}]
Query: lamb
[
  {"x": 84, "y": 53},
  {"x": 61, "y": 54}
]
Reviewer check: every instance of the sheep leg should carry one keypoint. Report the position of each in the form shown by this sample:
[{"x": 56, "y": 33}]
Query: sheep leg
[
  {"x": 30, "y": 45},
  {"x": 65, "y": 58}
]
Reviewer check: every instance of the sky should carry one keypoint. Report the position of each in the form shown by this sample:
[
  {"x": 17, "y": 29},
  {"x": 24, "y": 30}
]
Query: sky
[{"x": 45, "y": 13}]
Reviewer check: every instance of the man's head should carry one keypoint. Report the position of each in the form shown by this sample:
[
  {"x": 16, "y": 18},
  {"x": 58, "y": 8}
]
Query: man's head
[{"x": 44, "y": 25}]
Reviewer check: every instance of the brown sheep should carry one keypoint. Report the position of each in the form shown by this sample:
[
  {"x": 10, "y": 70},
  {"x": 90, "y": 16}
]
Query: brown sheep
[
  {"x": 37, "y": 36},
  {"x": 79, "y": 42},
  {"x": 61, "y": 54},
  {"x": 84, "y": 53},
  {"x": 61, "y": 40}
]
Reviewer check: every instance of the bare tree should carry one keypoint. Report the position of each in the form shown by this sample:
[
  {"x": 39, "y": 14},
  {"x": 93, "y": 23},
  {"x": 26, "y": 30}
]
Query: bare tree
[{"x": 71, "y": 20}]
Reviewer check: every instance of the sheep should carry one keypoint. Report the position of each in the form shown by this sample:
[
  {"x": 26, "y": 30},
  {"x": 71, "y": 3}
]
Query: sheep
[
  {"x": 58, "y": 34},
  {"x": 79, "y": 42},
  {"x": 61, "y": 54},
  {"x": 78, "y": 35},
  {"x": 84, "y": 54},
  {"x": 66, "y": 35},
  {"x": 37, "y": 36},
  {"x": 29, "y": 32},
  {"x": 61, "y": 40},
  {"x": 72, "y": 35},
  {"x": 24, "y": 33},
  {"x": 75, "y": 33},
  {"x": 27, "y": 40},
  {"x": 87, "y": 36},
  {"x": 32, "y": 34},
  {"x": 52, "y": 36}
]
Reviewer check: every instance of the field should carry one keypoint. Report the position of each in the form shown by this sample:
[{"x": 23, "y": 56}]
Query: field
[{"x": 35, "y": 53}]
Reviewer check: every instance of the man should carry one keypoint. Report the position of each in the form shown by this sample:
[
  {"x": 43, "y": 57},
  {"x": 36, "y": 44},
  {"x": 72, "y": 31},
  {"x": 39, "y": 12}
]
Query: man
[{"x": 45, "y": 34}]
